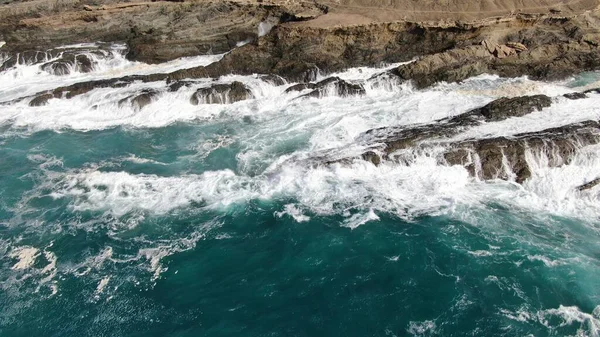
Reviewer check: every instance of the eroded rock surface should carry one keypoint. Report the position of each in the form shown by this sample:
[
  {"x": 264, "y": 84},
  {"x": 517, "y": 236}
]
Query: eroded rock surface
[{"x": 221, "y": 94}]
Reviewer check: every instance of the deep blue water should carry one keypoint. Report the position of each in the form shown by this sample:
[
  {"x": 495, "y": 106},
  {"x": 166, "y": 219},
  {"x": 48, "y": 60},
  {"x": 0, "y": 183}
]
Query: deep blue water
[{"x": 109, "y": 256}]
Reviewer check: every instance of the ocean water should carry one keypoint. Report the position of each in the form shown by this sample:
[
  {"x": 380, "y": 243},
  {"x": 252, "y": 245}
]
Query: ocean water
[{"x": 215, "y": 220}]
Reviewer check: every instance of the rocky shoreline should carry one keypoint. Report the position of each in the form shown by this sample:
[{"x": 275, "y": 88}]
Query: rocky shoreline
[{"x": 286, "y": 42}]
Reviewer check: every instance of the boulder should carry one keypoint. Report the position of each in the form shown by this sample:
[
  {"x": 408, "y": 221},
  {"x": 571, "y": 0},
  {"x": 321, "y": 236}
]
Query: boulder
[
  {"x": 40, "y": 100},
  {"x": 69, "y": 62},
  {"x": 221, "y": 94},
  {"x": 504, "y": 108},
  {"x": 139, "y": 101}
]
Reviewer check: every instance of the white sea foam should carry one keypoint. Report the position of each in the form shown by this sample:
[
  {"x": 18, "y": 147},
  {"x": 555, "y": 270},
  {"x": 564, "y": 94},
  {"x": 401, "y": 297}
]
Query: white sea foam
[
  {"x": 556, "y": 319},
  {"x": 293, "y": 211},
  {"x": 423, "y": 328},
  {"x": 26, "y": 79},
  {"x": 25, "y": 257}
]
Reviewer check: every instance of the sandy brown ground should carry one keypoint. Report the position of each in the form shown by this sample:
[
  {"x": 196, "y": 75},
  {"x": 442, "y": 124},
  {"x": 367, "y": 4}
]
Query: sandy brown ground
[
  {"x": 348, "y": 12},
  {"x": 341, "y": 12}
]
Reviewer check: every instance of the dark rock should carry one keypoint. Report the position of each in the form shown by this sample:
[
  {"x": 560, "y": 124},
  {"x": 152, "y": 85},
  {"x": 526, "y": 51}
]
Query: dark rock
[
  {"x": 139, "y": 101},
  {"x": 495, "y": 154},
  {"x": 176, "y": 85},
  {"x": 26, "y": 57},
  {"x": 575, "y": 95},
  {"x": 41, "y": 100},
  {"x": 273, "y": 79},
  {"x": 221, "y": 94},
  {"x": 397, "y": 138},
  {"x": 76, "y": 89},
  {"x": 68, "y": 62},
  {"x": 504, "y": 108},
  {"x": 588, "y": 185},
  {"x": 300, "y": 87},
  {"x": 337, "y": 85},
  {"x": 372, "y": 157}
]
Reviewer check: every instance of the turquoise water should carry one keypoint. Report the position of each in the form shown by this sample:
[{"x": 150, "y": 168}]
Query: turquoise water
[{"x": 245, "y": 269}]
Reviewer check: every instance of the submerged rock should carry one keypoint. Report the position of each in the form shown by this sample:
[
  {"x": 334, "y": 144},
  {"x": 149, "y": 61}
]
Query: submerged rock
[{"x": 221, "y": 94}]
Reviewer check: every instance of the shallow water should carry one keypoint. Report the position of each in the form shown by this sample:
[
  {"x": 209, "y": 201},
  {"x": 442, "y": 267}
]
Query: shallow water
[{"x": 182, "y": 220}]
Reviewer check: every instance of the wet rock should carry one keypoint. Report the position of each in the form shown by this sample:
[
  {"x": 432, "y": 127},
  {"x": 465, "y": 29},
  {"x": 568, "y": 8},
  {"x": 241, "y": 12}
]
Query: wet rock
[
  {"x": 40, "y": 100},
  {"x": 221, "y": 94},
  {"x": 372, "y": 157},
  {"x": 26, "y": 57},
  {"x": 330, "y": 86},
  {"x": 575, "y": 95},
  {"x": 505, "y": 158},
  {"x": 176, "y": 85},
  {"x": 273, "y": 79},
  {"x": 138, "y": 102},
  {"x": 589, "y": 185},
  {"x": 504, "y": 108},
  {"x": 68, "y": 63},
  {"x": 76, "y": 89},
  {"x": 396, "y": 138}
]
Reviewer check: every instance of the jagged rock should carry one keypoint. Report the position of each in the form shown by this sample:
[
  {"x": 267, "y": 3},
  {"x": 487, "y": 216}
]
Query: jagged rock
[
  {"x": 371, "y": 157},
  {"x": 334, "y": 85},
  {"x": 396, "y": 138},
  {"x": 503, "y": 51},
  {"x": 504, "y": 108},
  {"x": 273, "y": 79},
  {"x": 40, "y": 100},
  {"x": 26, "y": 57},
  {"x": 494, "y": 155},
  {"x": 486, "y": 158},
  {"x": 519, "y": 47},
  {"x": 489, "y": 46},
  {"x": 505, "y": 157},
  {"x": 66, "y": 63},
  {"x": 138, "y": 102},
  {"x": 176, "y": 85},
  {"x": 589, "y": 185},
  {"x": 76, "y": 89},
  {"x": 221, "y": 94},
  {"x": 575, "y": 95},
  {"x": 546, "y": 62}
]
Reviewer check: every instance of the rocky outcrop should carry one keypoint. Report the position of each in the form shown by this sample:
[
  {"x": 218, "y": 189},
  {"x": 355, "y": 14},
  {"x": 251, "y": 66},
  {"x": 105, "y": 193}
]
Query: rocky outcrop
[
  {"x": 397, "y": 138},
  {"x": 221, "y": 94},
  {"x": 330, "y": 86},
  {"x": 489, "y": 158},
  {"x": 68, "y": 63},
  {"x": 40, "y": 100},
  {"x": 504, "y": 108},
  {"x": 139, "y": 101},
  {"x": 155, "y": 31},
  {"x": 506, "y": 158}
]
